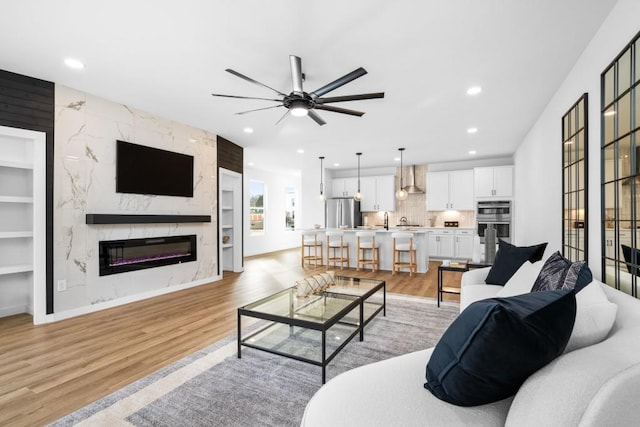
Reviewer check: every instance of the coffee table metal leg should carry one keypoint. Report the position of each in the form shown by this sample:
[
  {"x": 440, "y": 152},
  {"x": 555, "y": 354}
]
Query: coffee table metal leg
[
  {"x": 362, "y": 320},
  {"x": 324, "y": 356}
]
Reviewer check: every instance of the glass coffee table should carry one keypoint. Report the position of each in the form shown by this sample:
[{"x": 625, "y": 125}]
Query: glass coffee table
[{"x": 313, "y": 329}]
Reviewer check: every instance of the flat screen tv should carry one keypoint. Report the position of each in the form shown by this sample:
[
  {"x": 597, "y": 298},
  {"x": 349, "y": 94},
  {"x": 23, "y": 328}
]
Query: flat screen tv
[{"x": 147, "y": 170}]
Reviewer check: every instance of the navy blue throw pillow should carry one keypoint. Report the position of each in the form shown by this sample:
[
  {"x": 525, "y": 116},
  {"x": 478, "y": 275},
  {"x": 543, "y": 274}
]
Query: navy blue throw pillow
[
  {"x": 496, "y": 344},
  {"x": 560, "y": 273},
  {"x": 510, "y": 258}
]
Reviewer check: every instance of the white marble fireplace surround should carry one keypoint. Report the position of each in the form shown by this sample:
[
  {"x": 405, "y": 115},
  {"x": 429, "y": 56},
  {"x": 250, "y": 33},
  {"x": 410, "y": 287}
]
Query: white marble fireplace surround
[{"x": 86, "y": 130}]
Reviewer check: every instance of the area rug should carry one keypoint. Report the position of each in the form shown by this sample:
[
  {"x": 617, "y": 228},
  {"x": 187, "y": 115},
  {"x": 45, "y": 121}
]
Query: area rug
[{"x": 212, "y": 387}]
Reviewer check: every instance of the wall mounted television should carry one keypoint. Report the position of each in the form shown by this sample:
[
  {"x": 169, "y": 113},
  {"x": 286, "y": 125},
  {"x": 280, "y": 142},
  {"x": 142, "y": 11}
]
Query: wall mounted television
[{"x": 147, "y": 170}]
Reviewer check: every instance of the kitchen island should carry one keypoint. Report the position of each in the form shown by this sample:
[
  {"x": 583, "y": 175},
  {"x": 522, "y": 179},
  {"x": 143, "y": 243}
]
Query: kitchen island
[{"x": 385, "y": 242}]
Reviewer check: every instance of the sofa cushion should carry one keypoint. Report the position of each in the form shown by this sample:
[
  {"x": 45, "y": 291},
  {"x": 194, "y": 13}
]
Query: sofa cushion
[
  {"x": 509, "y": 258},
  {"x": 390, "y": 393},
  {"x": 472, "y": 293},
  {"x": 560, "y": 273},
  {"x": 522, "y": 281},
  {"x": 595, "y": 317},
  {"x": 495, "y": 344}
]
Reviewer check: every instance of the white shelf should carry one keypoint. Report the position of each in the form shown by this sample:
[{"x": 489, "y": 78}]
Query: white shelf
[
  {"x": 15, "y": 234},
  {"x": 227, "y": 208},
  {"x": 227, "y": 245},
  {"x": 17, "y": 165},
  {"x": 226, "y": 226},
  {"x": 10, "y": 269},
  {"x": 16, "y": 199}
]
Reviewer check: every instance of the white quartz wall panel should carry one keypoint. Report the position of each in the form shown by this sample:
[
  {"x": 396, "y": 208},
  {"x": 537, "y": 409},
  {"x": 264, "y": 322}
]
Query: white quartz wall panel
[{"x": 86, "y": 131}]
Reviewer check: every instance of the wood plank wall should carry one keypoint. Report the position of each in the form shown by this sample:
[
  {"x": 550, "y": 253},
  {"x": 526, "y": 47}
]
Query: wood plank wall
[
  {"x": 28, "y": 103},
  {"x": 230, "y": 155}
]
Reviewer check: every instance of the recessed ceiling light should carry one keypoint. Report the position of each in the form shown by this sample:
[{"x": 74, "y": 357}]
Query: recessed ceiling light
[
  {"x": 474, "y": 90},
  {"x": 396, "y": 159},
  {"x": 74, "y": 63},
  {"x": 300, "y": 151},
  {"x": 250, "y": 163},
  {"x": 193, "y": 140},
  {"x": 610, "y": 113},
  {"x": 472, "y": 152},
  {"x": 248, "y": 130},
  {"x": 472, "y": 130},
  {"x": 568, "y": 142},
  {"x": 335, "y": 165}
]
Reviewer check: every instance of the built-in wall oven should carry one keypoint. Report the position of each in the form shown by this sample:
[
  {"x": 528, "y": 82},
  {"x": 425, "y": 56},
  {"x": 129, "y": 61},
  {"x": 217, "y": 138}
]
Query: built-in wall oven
[{"x": 496, "y": 213}]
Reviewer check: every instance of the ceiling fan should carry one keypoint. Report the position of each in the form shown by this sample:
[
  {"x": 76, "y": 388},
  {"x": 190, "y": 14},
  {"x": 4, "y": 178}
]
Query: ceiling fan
[{"x": 300, "y": 103}]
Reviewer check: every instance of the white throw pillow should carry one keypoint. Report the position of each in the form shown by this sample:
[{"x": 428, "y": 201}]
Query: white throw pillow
[
  {"x": 522, "y": 281},
  {"x": 595, "y": 316}
]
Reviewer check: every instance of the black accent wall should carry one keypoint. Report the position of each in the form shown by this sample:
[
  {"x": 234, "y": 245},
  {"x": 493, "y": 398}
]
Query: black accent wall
[{"x": 29, "y": 103}]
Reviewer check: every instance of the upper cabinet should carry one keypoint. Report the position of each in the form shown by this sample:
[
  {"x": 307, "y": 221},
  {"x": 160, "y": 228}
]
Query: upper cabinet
[
  {"x": 494, "y": 182},
  {"x": 344, "y": 187},
  {"x": 451, "y": 190},
  {"x": 378, "y": 193}
]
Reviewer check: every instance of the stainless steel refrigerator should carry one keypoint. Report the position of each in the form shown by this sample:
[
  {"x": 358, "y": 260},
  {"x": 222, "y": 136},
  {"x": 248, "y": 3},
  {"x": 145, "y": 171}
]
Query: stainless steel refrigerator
[{"x": 342, "y": 212}]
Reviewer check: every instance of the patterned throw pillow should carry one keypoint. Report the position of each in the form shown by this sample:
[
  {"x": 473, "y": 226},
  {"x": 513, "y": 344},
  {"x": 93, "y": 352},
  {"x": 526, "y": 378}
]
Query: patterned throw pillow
[{"x": 560, "y": 273}]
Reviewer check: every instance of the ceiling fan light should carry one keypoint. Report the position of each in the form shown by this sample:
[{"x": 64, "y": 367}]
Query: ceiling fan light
[{"x": 299, "y": 111}]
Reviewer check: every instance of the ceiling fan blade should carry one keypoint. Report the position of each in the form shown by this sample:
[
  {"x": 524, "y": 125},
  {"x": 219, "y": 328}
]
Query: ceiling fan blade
[
  {"x": 258, "y": 109},
  {"x": 282, "y": 118},
  {"x": 339, "y": 110},
  {"x": 316, "y": 118},
  {"x": 249, "y": 79},
  {"x": 339, "y": 82},
  {"x": 296, "y": 73},
  {"x": 245, "y": 97},
  {"x": 350, "y": 98}
]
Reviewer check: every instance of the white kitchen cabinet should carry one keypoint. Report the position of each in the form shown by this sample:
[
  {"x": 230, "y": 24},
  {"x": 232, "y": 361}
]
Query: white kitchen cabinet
[
  {"x": 609, "y": 242},
  {"x": 344, "y": 187},
  {"x": 451, "y": 243},
  {"x": 464, "y": 244},
  {"x": 441, "y": 243},
  {"x": 493, "y": 182},
  {"x": 452, "y": 190},
  {"x": 378, "y": 193},
  {"x": 22, "y": 229}
]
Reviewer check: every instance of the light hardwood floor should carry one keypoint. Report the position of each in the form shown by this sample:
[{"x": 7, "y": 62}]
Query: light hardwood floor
[{"x": 48, "y": 371}]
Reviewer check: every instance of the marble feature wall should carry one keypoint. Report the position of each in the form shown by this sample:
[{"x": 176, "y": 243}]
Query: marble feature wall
[{"x": 86, "y": 130}]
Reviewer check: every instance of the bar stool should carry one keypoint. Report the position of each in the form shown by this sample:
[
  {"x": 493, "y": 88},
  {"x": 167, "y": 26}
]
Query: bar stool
[
  {"x": 403, "y": 243},
  {"x": 366, "y": 241},
  {"x": 335, "y": 243},
  {"x": 313, "y": 248}
]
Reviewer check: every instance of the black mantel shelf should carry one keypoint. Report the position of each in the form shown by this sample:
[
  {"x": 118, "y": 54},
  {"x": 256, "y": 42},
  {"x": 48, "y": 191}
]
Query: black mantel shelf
[{"x": 144, "y": 219}]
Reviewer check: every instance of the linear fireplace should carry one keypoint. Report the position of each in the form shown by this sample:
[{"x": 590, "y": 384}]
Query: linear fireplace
[{"x": 119, "y": 256}]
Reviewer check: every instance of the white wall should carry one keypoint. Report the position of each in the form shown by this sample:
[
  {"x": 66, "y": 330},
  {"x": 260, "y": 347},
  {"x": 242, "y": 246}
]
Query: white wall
[
  {"x": 538, "y": 160},
  {"x": 276, "y": 236}
]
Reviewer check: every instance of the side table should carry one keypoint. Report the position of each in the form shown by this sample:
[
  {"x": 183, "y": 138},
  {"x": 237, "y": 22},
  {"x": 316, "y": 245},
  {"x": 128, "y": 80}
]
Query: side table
[{"x": 460, "y": 267}]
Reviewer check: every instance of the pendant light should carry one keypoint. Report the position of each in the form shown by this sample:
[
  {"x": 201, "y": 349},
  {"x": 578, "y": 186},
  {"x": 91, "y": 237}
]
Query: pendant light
[
  {"x": 401, "y": 194},
  {"x": 358, "y": 195},
  {"x": 321, "y": 196}
]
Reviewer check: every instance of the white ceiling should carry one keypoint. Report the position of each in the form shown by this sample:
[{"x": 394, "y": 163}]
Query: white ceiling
[{"x": 167, "y": 57}]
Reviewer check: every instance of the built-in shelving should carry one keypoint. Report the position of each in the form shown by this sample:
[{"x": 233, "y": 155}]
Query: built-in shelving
[
  {"x": 12, "y": 269},
  {"x": 22, "y": 222},
  {"x": 15, "y": 199},
  {"x": 15, "y": 234},
  {"x": 230, "y": 199}
]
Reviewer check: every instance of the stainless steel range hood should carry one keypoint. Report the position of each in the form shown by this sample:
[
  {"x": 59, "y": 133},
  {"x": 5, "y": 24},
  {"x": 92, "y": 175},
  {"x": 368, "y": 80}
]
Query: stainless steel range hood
[{"x": 411, "y": 187}]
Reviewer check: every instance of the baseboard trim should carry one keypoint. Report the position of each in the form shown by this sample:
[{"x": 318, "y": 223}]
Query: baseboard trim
[{"x": 67, "y": 314}]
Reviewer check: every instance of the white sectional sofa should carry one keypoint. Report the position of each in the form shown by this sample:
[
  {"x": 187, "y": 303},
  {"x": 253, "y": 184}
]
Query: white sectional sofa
[{"x": 597, "y": 385}]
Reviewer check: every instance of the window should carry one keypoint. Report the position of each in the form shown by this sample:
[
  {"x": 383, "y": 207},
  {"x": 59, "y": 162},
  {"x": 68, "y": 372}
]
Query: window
[
  {"x": 574, "y": 181},
  {"x": 620, "y": 132},
  {"x": 290, "y": 208},
  {"x": 256, "y": 207}
]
